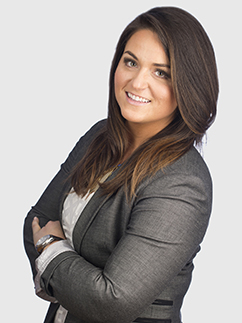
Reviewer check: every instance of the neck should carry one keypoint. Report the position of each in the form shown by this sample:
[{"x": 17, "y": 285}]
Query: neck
[{"x": 139, "y": 133}]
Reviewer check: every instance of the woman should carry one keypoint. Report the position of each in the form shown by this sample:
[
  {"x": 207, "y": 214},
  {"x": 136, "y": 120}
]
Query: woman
[{"x": 117, "y": 229}]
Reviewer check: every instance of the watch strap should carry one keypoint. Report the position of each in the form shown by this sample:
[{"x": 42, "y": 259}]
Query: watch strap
[{"x": 47, "y": 240}]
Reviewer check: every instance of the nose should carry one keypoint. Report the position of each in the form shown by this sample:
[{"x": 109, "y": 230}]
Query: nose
[{"x": 140, "y": 80}]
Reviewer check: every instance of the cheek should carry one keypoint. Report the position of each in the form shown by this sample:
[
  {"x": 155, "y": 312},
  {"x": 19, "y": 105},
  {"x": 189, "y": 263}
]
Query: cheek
[
  {"x": 118, "y": 80},
  {"x": 173, "y": 100},
  {"x": 167, "y": 96}
]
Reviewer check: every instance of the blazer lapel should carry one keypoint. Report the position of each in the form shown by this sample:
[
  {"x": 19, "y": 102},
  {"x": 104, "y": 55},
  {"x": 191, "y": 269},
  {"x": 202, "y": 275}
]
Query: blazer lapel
[{"x": 88, "y": 215}]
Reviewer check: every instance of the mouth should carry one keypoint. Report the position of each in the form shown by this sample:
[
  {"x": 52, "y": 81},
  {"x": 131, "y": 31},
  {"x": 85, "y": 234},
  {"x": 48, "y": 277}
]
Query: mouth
[{"x": 137, "y": 98}]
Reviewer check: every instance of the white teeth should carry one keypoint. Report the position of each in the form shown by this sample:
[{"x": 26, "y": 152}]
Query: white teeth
[{"x": 137, "y": 98}]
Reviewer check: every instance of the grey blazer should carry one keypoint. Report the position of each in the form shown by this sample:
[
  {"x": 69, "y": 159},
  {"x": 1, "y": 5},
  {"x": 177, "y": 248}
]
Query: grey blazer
[{"x": 133, "y": 262}]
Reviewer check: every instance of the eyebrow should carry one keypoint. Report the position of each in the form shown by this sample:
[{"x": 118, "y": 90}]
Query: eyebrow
[{"x": 155, "y": 64}]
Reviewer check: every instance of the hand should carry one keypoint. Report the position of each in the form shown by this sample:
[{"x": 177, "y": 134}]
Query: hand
[{"x": 52, "y": 227}]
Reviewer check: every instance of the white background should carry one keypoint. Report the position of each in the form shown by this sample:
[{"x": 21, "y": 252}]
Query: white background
[{"x": 54, "y": 67}]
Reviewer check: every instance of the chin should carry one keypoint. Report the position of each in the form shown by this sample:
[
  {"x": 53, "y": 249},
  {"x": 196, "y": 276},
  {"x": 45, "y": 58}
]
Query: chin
[{"x": 133, "y": 117}]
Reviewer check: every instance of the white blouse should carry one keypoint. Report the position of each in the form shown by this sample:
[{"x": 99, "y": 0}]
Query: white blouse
[{"x": 72, "y": 209}]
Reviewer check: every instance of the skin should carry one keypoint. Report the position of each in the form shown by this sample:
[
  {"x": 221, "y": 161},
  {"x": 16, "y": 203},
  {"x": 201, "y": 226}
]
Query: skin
[
  {"x": 143, "y": 72},
  {"x": 52, "y": 227}
]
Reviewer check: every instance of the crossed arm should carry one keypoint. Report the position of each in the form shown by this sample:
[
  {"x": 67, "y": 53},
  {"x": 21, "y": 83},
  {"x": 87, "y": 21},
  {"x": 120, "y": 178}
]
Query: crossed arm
[
  {"x": 167, "y": 224},
  {"x": 153, "y": 250}
]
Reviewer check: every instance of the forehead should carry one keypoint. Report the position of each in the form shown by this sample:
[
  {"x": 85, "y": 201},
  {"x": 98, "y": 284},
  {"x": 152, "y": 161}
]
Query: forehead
[{"x": 145, "y": 45}]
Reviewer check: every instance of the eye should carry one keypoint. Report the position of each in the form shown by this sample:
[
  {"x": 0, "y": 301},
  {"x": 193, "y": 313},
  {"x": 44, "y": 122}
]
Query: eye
[
  {"x": 162, "y": 74},
  {"x": 129, "y": 62}
]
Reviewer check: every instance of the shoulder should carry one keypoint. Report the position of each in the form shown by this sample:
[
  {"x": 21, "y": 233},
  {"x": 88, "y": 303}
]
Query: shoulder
[
  {"x": 82, "y": 145},
  {"x": 191, "y": 163},
  {"x": 188, "y": 179},
  {"x": 96, "y": 129},
  {"x": 176, "y": 202},
  {"x": 99, "y": 125},
  {"x": 91, "y": 134}
]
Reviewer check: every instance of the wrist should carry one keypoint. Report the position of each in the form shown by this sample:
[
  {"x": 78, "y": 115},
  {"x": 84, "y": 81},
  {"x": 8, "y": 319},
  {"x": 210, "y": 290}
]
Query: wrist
[
  {"x": 44, "y": 242},
  {"x": 50, "y": 244}
]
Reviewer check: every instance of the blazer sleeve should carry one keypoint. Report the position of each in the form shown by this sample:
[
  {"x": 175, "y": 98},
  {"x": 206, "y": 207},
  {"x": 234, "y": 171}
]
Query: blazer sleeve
[
  {"x": 167, "y": 224},
  {"x": 49, "y": 206}
]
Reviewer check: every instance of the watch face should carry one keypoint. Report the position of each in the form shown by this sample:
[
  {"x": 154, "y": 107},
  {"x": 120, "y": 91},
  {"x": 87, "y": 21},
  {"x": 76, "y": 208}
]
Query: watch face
[{"x": 42, "y": 240}]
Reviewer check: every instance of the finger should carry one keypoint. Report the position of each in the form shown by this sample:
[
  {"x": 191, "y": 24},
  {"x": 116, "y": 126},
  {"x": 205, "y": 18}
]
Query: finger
[{"x": 35, "y": 225}]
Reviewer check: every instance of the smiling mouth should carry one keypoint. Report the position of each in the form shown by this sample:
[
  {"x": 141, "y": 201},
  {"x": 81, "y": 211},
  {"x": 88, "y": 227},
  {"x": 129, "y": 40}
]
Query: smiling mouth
[{"x": 137, "y": 98}]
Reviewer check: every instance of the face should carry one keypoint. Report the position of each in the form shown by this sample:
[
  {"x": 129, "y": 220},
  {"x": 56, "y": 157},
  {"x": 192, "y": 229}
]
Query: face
[{"x": 143, "y": 86}]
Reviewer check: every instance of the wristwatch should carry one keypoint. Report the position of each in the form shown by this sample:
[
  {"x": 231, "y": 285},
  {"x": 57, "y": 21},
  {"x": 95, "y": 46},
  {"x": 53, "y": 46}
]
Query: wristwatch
[{"x": 45, "y": 241}]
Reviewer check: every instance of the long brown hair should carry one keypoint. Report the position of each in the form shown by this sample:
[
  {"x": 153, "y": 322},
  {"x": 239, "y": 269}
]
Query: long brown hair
[{"x": 195, "y": 85}]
